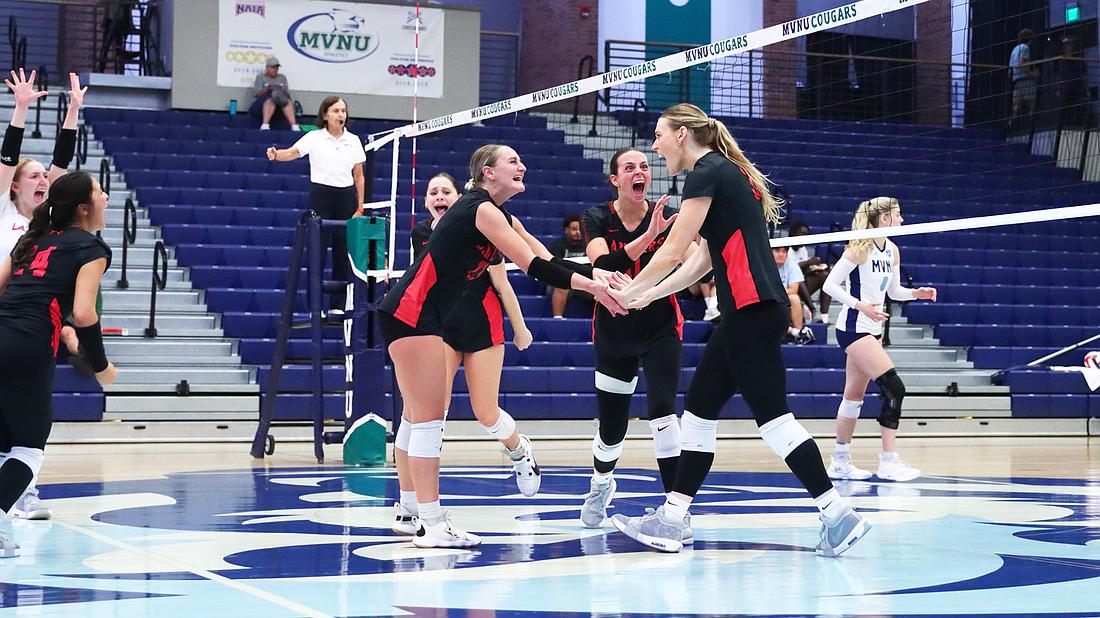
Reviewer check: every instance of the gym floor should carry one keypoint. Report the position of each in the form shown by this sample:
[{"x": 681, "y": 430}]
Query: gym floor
[{"x": 996, "y": 526}]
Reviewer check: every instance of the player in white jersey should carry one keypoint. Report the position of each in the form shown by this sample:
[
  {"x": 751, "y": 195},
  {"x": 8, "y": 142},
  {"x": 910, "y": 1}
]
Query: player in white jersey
[{"x": 870, "y": 268}]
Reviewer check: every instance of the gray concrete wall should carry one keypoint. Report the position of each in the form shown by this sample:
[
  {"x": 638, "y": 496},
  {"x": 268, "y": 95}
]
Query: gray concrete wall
[{"x": 194, "y": 69}]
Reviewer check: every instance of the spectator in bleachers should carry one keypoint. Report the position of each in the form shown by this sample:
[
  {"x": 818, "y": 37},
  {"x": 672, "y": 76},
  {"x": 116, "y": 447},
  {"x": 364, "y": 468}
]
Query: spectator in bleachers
[
  {"x": 1072, "y": 81},
  {"x": 870, "y": 268},
  {"x": 1025, "y": 76},
  {"x": 569, "y": 245},
  {"x": 791, "y": 277},
  {"x": 336, "y": 169},
  {"x": 271, "y": 92},
  {"x": 814, "y": 272}
]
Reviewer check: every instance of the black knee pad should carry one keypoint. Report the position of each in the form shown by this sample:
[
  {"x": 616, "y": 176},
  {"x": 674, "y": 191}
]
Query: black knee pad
[{"x": 892, "y": 391}]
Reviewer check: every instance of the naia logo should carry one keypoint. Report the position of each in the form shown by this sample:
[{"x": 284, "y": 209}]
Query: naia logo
[
  {"x": 255, "y": 9},
  {"x": 411, "y": 69},
  {"x": 336, "y": 36}
]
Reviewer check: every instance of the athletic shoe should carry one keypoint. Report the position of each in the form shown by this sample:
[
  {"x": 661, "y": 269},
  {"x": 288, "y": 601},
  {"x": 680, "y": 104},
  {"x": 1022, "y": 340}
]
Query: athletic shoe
[
  {"x": 30, "y": 507},
  {"x": 687, "y": 535},
  {"x": 7, "y": 548},
  {"x": 528, "y": 475},
  {"x": 596, "y": 502},
  {"x": 837, "y": 538},
  {"x": 711, "y": 314},
  {"x": 823, "y": 318},
  {"x": 404, "y": 522},
  {"x": 805, "y": 336},
  {"x": 894, "y": 469},
  {"x": 443, "y": 534},
  {"x": 844, "y": 470},
  {"x": 652, "y": 530}
]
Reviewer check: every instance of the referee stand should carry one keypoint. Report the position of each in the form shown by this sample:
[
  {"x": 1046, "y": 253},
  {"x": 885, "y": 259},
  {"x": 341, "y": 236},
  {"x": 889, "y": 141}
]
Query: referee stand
[{"x": 364, "y": 389}]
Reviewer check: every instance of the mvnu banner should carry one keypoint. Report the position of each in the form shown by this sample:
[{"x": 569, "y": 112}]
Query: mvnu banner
[{"x": 332, "y": 46}]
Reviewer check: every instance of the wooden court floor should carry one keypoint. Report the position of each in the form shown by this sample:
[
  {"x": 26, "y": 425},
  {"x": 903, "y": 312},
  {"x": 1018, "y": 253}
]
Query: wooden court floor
[{"x": 995, "y": 527}]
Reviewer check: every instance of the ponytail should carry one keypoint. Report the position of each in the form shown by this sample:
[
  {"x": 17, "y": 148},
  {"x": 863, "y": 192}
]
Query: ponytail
[
  {"x": 866, "y": 217},
  {"x": 712, "y": 133},
  {"x": 484, "y": 156},
  {"x": 59, "y": 211}
]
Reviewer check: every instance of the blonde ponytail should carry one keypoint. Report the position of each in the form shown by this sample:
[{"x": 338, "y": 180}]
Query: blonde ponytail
[
  {"x": 712, "y": 133},
  {"x": 486, "y": 155},
  {"x": 866, "y": 217}
]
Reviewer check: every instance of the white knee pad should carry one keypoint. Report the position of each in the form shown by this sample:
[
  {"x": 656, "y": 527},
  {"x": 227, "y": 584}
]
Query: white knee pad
[
  {"x": 30, "y": 456},
  {"x": 849, "y": 409},
  {"x": 426, "y": 440},
  {"x": 698, "y": 434},
  {"x": 615, "y": 386},
  {"x": 504, "y": 427},
  {"x": 784, "y": 434},
  {"x": 401, "y": 438},
  {"x": 605, "y": 453},
  {"x": 666, "y": 436}
]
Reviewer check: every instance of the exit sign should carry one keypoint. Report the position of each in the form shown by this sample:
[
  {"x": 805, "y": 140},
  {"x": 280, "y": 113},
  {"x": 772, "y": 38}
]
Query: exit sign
[{"x": 1073, "y": 12}]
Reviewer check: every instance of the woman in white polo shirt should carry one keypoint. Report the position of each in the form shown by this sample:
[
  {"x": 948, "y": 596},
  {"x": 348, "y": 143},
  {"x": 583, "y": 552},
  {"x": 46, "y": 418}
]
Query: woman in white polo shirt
[{"x": 335, "y": 157}]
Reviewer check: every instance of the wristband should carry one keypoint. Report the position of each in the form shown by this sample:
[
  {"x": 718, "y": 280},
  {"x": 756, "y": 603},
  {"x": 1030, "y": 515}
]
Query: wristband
[
  {"x": 91, "y": 342},
  {"x": 585, "y": 270},
  {"x": 551, "y": 274},
  {"x": 13, "y": 142},
  {"x": 64, "y": 148},
  {"x": 616, "y": 260}
]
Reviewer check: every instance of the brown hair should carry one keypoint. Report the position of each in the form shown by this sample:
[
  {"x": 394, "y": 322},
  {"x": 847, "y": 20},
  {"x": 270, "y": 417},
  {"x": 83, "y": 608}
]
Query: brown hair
[
  {"x": 484, "y": 156},
  {"x": 58, "y": 211},
  {"x": 711, "y": 133},
  {"x": 19, "y": 168},
  {"x": 867, "y": 216},
  {"x": 451, "y": 179},
  {"x": 325, "y": 105}
]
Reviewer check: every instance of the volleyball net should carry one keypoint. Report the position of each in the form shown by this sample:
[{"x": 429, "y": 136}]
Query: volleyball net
[{"x": 912, "y": 99}]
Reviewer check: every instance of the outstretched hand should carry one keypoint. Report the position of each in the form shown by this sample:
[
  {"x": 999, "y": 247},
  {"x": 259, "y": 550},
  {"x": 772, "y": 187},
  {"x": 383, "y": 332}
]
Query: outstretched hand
[
  {"x": 872, "y": 311},
  {"x": 658, "y": 223},
  {"x": 611, "y": 278},
  {"x": 925, "y": 294},
  {"x": 76, "y": 93},
  {"x": 23, "y": 89},
  {"x": 610, "y": 298},
  {"x": 271, "y": 153}
]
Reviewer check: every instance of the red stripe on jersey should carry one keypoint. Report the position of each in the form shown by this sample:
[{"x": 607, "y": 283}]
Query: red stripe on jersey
[
  {"x": 55, "y": 317},
  {"x": 496, "y": 320},
  {"x": 412, "y": 301},
  {"x": 742, "y": 285},
  {"x": 679, "y": 317}
]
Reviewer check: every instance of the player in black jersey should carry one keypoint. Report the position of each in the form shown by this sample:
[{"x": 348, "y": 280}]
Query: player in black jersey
[
  {"x": 622, "y": 235},
  {"x": 469, "y": 237},
  {"x": 474, "y": 337},
  {"x": 53, "y": 270},
  {"x": 727, "y": 202}
]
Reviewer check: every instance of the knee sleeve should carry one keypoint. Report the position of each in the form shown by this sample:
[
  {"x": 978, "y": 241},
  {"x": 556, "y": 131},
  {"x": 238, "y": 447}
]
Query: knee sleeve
[
  {"x": 666, "y": 436},
  {"x": 605, "y": 453},
  {"x": 32, "y": 457},
  {"x": 426, "y": 439},
  {"x": 698, "y": 434},
  {"x": 401, "y": 438},
  {"x": 616, "y": 386},
  {"x": 849, "y": 409},
  {"x": 892, "y": 391},
  {"x": 784, "y": 434},
  {"x": 504, "y": 427}
]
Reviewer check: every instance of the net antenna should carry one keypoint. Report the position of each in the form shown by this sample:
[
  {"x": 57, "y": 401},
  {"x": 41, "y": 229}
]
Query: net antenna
[{"x": 416, "y": 85}]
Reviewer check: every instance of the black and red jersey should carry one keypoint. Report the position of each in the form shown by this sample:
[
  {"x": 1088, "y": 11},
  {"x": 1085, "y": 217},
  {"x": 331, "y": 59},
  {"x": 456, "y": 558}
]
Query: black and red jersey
[
  {"x": 456, "y": 255},
  {"x": 636, "y": 332},
  {"x": 41, "y": 293},
  {"x": 736, "y": 233},
  {"x": 421, "y": 232}
]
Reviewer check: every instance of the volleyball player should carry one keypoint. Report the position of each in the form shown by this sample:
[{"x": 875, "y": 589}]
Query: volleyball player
[
  {"x": 473, "y": 336},
  {"x": 727, "y": 202},
  {"x": 465, "y": 242},
  {"x": 622, "y": 235},
  {"x": 24, "y": 184},
  {"x": 53, "y": 271},
  {"x": 870, "y": 267}
]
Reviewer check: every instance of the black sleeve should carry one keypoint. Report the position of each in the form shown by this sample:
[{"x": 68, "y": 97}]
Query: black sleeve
[
  {"x": 420, "y": 235},
  {"x": 594, "y": 225},
  {"x": 701, "y": 181},
  {"x": 94, "y": 250},
  {"x": 585, "y": 270},
  {"x": 616, "y": 260},
  {"x": 550, "y": 273}
]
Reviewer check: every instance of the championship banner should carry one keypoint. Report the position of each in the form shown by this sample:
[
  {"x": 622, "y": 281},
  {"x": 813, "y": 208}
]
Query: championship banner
[{"x": 332, "y": 46}]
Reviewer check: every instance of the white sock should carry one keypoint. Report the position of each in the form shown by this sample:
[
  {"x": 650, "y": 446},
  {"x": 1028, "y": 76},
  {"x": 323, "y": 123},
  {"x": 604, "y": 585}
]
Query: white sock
[
  {"x": 885, "y": 457},
  {"x": 430, "y": 513},
  {"x": 676, "y": 508},
  {"x": 831, "y": 506},
  {"x": 601, "y": 479},
  {"x": 842, "y": 451},
  {"x": 294, "y": 127},
  {"x": 711, "y": 302},
  {"x": 408, "y": 500}
]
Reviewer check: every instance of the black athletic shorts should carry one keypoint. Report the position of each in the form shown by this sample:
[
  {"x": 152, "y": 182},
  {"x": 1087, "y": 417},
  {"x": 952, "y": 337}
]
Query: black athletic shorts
[{"x": 394, "y": 329}]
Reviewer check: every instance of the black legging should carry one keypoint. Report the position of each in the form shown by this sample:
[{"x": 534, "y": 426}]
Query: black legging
[
  {"x": 26, "y": 416},
  {"x": 338, "y": 203},
  {"x": 662, "y": 376}
]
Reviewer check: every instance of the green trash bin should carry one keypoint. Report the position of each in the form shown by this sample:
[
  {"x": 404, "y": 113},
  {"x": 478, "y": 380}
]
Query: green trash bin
[
  {"x": 365, "y": 442},
  {"x": 361, "y": 230}
]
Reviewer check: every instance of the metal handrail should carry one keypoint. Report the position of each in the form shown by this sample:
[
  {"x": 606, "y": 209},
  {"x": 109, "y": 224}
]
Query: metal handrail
[
  {"x": 591, "y": 60},
  {"x": 18, "y": 45},
  {"x": 43, "y": 80},
  {"x": 81, "y": 146},
  {"x": 160, "y": 279},
  {"x": 62, "y": 109},
  {"x": 129, "y": 236},
  {"x": 105, "y": 176}
]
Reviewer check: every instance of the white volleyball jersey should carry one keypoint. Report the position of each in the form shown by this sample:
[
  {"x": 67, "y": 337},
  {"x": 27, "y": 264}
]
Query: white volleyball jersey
[
  {"x": 12, "y": 226},
  {"x": 868, "y": 282}
]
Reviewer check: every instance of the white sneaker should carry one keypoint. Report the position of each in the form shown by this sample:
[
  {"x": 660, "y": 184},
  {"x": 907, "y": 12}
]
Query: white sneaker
[
  {"x": 404, "y": 522},
  {"x": 295, "y": 128},
  {"x": 265, "y": 127},
  {"x": 892, "y": 468},
  {"x": 594, "y": 510},
  {"x": 711, "y": 314},
  {"x": 843, "y": 470},
  {"x": 30, "y": 507},
  {"x": 528, "y": 475},
  {"x": 653, "y": 530},
  {"x": 824, "y": 318},
  {"x": 837, "y": 538},
  {"x": 443, "y": 534},
  {"x": 7, "y": 548}
]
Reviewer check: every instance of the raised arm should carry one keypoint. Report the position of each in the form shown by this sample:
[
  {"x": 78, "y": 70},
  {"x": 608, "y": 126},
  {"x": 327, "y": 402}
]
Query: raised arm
[
  {"x": 65, "y": 145},
  {"x": 25, "y": 94},
  {"x": 498, "y": 274}
]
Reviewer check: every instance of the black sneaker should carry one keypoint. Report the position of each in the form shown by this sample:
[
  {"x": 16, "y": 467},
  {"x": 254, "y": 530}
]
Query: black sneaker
[{"x": 805, "y": 336}]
